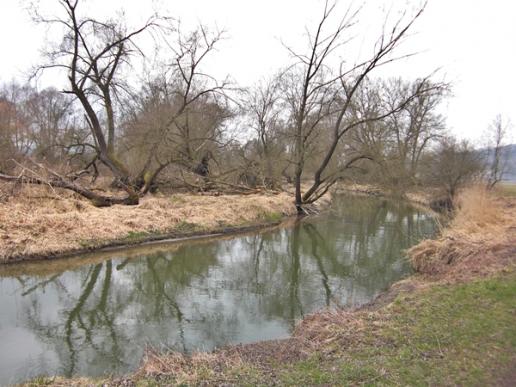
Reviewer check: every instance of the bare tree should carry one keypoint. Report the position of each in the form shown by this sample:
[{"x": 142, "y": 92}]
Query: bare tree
[
  {"x": 180, "y": 113},
  {"x": 93, "y": 53},
  {"x": 397, "y": 142},
  {"x": 320, "y": 96},
  {"x": 16, "y": 140},
  {"x": 452, "y": 165},
  {"x": 54, "y": 123},
  {"x": 264, "y": 107},
  {"x": 417, "y": 124},
  {"x": 496, "y": 152},
  {"x": 96, "y": 54}
]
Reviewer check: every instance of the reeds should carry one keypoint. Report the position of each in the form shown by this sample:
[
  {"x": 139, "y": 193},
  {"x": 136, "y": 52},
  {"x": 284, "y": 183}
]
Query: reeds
[{"x": 481, "y": 230}]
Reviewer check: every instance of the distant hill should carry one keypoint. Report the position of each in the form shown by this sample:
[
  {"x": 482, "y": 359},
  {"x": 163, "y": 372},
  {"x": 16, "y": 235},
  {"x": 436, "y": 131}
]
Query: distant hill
[
  {"x": 510, "y": 170},
  {"x": 510, "y": 174}
]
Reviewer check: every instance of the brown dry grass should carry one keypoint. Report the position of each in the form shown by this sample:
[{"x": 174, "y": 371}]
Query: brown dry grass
[
  {"x": 315, "y": 333},
  {"x": 39, "y": 221},
  {"x": 480, "y": 238},
  {"x": 60, "y": 381},
  {"x": 416, "y": 196},
  {"x": 186, "y": 369}
]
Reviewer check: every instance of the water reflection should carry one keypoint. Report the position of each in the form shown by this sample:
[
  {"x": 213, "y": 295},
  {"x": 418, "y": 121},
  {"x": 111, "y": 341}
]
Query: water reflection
[{"x": 97, "y": 318}]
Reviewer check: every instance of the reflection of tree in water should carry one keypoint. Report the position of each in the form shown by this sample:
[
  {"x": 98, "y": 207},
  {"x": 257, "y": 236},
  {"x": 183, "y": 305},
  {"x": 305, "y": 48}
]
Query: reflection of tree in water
[
  {"x": 366, "y": 242},
  {"x": 348, "y": 257},
  {"x": 288, "y": 272},
  {"x": 170, "y": 283},
  {"x": 92, "y": 326},
  {"x": 295, "y": 268},
  {"x": 210, "y": 293},
  {"x": 318, "y": 243},
  {"x": 82, "y": 318}
]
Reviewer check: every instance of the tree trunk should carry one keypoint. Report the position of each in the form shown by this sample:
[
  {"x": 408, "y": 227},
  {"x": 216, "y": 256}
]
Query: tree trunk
[{"x": 96, "y": 199}]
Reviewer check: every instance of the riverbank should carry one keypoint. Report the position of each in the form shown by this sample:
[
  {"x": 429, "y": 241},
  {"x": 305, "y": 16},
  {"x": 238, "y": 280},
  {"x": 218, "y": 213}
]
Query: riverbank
[
  {"x": 415, "y": 196},
  {"x": 40, "y": 223},
  {"x": 452, "y": 323},
  {"x": 43, "y": 224}
]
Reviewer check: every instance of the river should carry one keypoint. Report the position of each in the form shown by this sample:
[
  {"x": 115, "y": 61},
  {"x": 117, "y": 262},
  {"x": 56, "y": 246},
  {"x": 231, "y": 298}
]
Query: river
[{"x": 96, "y": 314}]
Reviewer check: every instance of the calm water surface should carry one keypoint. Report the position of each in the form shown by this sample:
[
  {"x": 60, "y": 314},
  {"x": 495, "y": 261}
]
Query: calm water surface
[{"x": 96, "y": 315}]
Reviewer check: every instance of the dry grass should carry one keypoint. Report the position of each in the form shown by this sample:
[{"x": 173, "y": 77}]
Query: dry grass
[
  {"x": 186, "y": 369},
  {"x": 415, "y": 196},
  {"x": 39, "y": 221},
  {"x": 480, "y": 238},
  {"x": 316, "y": 333},
  {"x": 59, "y": 381}
]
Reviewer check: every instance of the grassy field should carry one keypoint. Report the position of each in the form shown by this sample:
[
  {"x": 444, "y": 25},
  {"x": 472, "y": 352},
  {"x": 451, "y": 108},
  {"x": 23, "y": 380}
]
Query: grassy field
[{"x": 507, "y": 189}]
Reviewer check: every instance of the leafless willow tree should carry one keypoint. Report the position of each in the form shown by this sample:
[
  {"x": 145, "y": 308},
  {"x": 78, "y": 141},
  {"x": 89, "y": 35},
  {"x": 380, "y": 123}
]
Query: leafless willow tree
[
  {"x": 96, "y": 56},
  {"x": 321, "y": 98},
  {"x": 93, "y": 53},
  {"x": 178, "y": 115}
]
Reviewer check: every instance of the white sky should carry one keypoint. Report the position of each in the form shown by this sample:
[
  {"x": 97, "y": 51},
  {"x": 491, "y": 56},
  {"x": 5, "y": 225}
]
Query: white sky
[{"x": 473, "y": 42}]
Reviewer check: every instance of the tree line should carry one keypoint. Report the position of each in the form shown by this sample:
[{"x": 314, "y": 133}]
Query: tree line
[{"x": 310, "y": 125}]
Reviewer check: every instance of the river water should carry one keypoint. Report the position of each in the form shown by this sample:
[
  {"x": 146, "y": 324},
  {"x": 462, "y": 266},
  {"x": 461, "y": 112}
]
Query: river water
[{"x": 96, "y": 314}]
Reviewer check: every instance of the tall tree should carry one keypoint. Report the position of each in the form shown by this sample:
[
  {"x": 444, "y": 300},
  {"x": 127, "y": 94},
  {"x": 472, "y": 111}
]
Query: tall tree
[
  {"x": 96, "y": 55},
  {"x": 93, "y": 53},
  {"x": 398, "y": 142},
  {"x": 321, "y": 96},
  {"x": 497, "y": 155},
  {"x": 180, "y": 112},
  {"x": 264, "y": 108},
  {"x": 16, "y": 140}
]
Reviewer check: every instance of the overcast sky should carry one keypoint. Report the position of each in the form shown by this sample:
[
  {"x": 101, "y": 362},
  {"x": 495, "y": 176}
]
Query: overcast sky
[{"x": 472, "y": 42}]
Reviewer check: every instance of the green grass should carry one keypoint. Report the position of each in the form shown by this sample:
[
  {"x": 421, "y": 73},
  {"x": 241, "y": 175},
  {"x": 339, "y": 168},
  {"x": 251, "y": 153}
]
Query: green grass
[
  {"x": 462, "y": 334},
  {"x": 271, "y": 217},
  {"x": 507, "y": 189},
  {"x": 186, "y": 227},
  {"x": 133, "y": 236}
]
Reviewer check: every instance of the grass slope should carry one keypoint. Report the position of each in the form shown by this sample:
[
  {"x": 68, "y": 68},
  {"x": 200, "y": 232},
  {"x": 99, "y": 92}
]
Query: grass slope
[{"x": 461, "y": 334}]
